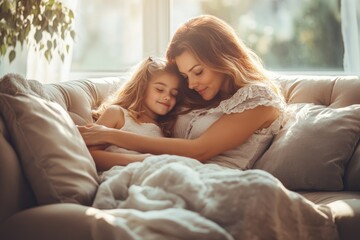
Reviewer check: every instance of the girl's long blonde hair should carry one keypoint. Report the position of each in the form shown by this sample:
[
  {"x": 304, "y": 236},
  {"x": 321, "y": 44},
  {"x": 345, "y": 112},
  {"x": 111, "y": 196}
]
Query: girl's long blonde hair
[
  {"x": 131, "y": 95},
  {"x": 215, "y": 44}
]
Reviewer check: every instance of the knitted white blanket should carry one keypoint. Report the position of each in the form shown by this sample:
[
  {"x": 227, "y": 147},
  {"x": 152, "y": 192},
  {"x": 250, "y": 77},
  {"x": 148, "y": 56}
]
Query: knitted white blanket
[{"x": 172, "y": 197}]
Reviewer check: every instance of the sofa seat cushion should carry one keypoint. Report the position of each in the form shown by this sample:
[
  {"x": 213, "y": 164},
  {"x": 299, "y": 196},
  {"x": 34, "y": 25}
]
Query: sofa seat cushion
[{"x": 53, "y": 155}]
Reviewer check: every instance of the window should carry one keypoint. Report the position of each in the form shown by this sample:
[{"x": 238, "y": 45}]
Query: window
[
  {"x": 288, "y": 35},
  {"x": 109, "y": 35}
]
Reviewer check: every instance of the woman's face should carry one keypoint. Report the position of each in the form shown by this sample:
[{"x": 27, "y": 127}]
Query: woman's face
[{"x": 200, "y": 78}]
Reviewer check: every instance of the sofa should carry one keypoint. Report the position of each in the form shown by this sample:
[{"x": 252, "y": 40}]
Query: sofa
[{"x": 317, "y": 154}]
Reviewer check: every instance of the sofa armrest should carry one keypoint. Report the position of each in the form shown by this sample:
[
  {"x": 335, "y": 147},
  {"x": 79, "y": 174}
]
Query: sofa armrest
[
  {"x": 55, "y": 221},
  {"x": 347, "y": 217}
]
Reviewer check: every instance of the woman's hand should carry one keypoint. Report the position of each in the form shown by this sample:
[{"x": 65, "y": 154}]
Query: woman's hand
[{"x": 94, "y": 134}]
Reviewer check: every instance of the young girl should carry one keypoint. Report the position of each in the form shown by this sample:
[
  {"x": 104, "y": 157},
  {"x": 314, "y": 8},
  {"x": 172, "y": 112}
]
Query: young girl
[{"x": 144, "y": 105}]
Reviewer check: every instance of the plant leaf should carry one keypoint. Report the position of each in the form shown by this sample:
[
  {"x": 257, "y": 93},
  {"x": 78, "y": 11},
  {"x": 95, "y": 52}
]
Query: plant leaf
[
  {"x": 48, "y": 55},
  {"x": 38, "y": 36},
  {"x": 72, "y": 34},
  {"x": 3, "y": 49},
  {"x": 49, "y": 45},
  {"x": 12, "y": 55}
]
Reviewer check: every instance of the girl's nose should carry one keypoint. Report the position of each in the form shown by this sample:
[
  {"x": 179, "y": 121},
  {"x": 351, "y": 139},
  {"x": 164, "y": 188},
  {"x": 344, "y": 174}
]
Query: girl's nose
[{"x": 166, "y": 98}]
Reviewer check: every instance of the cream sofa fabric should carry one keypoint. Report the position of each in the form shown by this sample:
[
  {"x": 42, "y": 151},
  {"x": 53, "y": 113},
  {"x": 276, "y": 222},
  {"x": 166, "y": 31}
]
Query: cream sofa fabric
[{"x": 19, "y": 207}]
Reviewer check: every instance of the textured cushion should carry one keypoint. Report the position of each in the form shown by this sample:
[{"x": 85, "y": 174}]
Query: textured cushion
[
  {"x": 312, "y": 150},
  {"x": 53, "y": 154}
]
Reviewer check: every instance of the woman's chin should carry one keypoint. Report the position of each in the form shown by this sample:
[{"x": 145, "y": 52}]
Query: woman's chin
[{"x": 207, "y": 97}]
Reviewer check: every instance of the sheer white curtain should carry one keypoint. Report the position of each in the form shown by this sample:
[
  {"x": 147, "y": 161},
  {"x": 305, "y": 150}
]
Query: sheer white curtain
[
  {"x": 350, "y": 18},
  {"x": 40, "y": 69},
  {"x": 18, "y": 65}
]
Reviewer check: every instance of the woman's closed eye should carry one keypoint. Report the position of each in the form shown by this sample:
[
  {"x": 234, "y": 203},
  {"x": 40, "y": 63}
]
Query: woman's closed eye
[{"x": 197, "y": 73}]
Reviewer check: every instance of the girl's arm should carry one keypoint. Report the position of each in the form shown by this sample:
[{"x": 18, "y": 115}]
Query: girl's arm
[
  {"x": 113, "y": 118},
  {"x": 226, "y": 133}
]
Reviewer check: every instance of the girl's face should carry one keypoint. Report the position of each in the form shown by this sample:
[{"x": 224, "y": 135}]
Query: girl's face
[
  {"x": 206, "y": 82},
  {"x": 160, "y": 96}
]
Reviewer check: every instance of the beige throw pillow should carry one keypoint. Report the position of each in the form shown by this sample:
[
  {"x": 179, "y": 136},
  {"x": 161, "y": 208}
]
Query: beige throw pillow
[
  {"x": 312, "y": 150},
  {"x": 53, "y": 155}
]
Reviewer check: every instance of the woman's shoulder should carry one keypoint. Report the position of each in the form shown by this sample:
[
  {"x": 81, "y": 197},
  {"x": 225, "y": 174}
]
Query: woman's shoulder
[
  {"x": 251, "y": 96},
  {"x": 255, "y": 90}
]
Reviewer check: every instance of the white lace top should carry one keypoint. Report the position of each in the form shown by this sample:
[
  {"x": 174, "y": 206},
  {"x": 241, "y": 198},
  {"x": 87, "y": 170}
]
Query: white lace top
[
  {"x": 148, "y": 129},
  {"x": 194, "y": 123}
]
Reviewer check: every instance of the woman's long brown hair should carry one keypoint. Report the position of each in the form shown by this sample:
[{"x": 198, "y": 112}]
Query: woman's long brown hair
[{"x": 215, "y": 45}]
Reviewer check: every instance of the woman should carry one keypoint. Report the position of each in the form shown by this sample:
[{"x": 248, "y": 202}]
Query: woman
[{"x": 234, "y": 108}]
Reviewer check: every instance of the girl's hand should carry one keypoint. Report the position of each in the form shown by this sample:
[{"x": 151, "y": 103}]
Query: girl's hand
[{"x": 93, "y": 134}]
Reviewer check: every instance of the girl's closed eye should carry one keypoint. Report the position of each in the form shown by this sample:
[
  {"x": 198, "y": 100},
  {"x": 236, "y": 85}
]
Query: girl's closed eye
[{"x": 160, "y": 90}]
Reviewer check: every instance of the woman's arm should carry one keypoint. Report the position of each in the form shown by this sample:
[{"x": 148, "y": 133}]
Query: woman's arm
[
  {"x": 226, "y": 133},
  {"x": 104, "y": 160}
]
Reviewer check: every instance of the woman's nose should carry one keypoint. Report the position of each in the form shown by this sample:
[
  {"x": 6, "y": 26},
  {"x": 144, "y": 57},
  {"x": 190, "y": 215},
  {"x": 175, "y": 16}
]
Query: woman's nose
[{"x": 192, "y": 83}]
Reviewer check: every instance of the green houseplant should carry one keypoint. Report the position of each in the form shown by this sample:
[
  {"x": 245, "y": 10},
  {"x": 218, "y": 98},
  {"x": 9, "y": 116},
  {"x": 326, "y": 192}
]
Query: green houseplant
[{"x": 42, "y": 24}]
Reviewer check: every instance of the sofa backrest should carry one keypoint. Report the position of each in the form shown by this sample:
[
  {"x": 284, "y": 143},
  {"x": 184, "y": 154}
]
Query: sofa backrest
[
  {"x": 79, "y": 97},
  {"x": 331, "y": 91}
]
